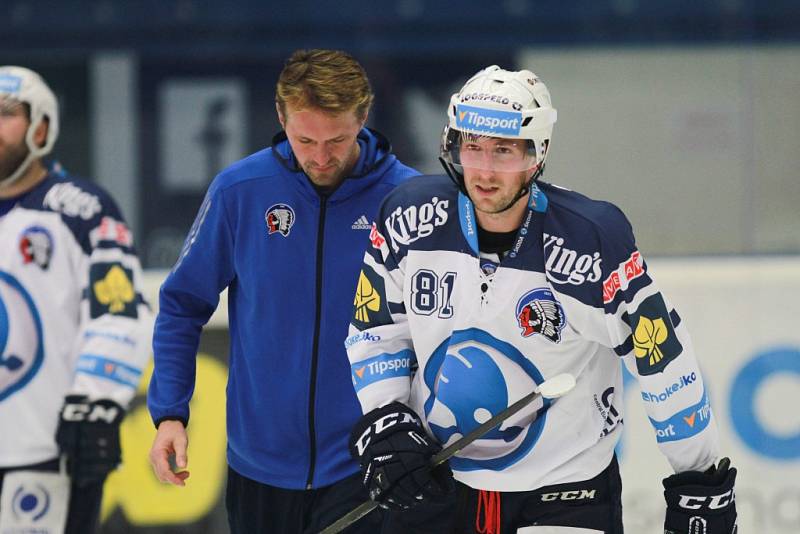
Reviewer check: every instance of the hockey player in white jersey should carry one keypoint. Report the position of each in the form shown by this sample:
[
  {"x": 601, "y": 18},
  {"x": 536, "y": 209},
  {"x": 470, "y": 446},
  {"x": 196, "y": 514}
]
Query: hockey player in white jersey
[
  {"x": 74, "y": 329},
  {"x": 480, "y": 286}
]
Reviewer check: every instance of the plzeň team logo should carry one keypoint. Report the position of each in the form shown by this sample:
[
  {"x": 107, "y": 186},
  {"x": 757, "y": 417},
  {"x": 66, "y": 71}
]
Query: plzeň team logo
[
  {"x": 30, "y": 503},
  {"x": 280, "y": 219},
  {"x": 473, "y": 376},
  {"x": 36, "y": 246},
  {"x": 538, "y": 312},
  {"x": 21, "y": 339}
]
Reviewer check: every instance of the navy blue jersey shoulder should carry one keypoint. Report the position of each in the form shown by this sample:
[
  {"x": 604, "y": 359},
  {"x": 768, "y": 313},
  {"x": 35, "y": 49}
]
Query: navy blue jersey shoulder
[
  {"x": 606, "y": 218},
  {"x": 81, "y": 204},
  {"x": 415, "y": 216},
  {"x": 584, "y": 240}
]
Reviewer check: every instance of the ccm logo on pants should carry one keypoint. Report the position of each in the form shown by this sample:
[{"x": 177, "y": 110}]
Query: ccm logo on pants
[{"x": 574, "y": 495}]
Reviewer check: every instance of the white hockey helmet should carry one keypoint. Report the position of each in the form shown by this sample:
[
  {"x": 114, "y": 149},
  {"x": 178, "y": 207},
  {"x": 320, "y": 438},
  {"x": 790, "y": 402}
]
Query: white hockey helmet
[
  {"x": 24, "y": 85},
  {"x": 500, "y": 104}
]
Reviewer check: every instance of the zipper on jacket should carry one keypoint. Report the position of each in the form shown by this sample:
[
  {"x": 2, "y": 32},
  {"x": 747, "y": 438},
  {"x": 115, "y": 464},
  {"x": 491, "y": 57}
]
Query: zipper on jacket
[{"x": 312, "y": 390}]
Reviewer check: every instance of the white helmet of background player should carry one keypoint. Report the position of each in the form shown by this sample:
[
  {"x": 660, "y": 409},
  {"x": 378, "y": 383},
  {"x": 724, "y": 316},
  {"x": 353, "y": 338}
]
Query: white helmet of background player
[
  {"x": 504, "y": 104},
  {"x": 23, "y": 85}
]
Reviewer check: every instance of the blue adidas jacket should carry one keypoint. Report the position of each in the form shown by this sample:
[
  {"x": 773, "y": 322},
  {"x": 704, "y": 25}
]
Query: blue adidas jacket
[{"x": 290, "y": 260}]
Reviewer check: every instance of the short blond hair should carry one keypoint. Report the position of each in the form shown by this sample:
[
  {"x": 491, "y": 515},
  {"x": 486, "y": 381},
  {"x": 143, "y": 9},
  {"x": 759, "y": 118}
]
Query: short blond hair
[{"x": 328, "y": 80}]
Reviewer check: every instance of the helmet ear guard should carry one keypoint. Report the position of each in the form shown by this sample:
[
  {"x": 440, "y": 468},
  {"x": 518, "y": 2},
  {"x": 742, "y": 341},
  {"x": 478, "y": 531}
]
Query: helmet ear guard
[
  {"x": 502, "y": 104},
  {"x": 26, "y": 86}
]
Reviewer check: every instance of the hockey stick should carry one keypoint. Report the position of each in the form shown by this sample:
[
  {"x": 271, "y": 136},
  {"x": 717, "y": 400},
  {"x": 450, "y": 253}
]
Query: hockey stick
[{"x": 553, "y": 388}]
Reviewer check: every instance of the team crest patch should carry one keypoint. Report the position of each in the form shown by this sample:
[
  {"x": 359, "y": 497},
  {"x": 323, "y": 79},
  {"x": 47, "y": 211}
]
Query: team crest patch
[
  {"x": 111, "y": 290},
  {"x": 36, "y": 246},
  {"x": 280, "y": 219},
  {"x": 538, "y": 312}
]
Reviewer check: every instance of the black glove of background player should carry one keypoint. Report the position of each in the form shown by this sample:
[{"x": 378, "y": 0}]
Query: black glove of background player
[
  {"x": 701, "y": 502},
  {"x": 88, "y": 434},
  {"x": 394, "y": 452}
]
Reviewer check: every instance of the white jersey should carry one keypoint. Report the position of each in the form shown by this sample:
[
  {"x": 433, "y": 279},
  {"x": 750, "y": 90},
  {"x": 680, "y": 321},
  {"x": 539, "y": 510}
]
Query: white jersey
[
  {"x": 459, "y": 338},
  {"x": 72, "y": 317}
]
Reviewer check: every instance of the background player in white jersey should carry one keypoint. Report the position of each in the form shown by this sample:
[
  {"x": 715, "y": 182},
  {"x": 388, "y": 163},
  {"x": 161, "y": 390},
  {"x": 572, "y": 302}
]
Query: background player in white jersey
[
  {"x": 74, "y": 329},
  {"x": 479, "y": 287}
]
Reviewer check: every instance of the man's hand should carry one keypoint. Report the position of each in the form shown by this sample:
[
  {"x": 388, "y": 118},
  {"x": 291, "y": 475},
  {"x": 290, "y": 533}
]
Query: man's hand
[
  {"x": 394, "y": 452},
  {"x": 171, "y": 441},
  {"x": 701, "y": 502},
  {"x": 88, "y": 435}
]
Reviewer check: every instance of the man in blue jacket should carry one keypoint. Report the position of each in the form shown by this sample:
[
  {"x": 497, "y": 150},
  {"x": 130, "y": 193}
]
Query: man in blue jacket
[{"x": 284, "y": 230}]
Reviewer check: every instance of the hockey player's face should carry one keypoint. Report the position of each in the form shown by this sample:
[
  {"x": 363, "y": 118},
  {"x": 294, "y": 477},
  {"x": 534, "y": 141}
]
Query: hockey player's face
[
  {"x": 491, "y": 172},
  {"x": 325, "y": 145},
  {"x": 13, "y": 126}
]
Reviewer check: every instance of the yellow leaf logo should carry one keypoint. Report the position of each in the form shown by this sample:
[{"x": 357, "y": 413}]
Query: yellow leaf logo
[
  {"x": 461, "y": 115},
  {"x": 115, "y": 290},
  {"x": 360, "y": 372},
  {"x": 648, "y": 336},
  {"x": 366, "y": 300}
]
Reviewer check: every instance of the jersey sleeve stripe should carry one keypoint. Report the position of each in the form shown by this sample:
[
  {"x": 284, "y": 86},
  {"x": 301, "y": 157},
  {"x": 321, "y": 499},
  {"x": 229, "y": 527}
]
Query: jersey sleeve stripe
[{"x": 114, "y": 370}]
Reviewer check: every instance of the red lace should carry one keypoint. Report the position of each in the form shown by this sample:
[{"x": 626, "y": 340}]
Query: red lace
[{"x": 489, "y": 501}]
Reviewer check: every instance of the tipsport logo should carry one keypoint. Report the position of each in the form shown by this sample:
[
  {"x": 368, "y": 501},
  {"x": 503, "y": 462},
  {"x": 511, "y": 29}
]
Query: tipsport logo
[
  {"x": 10, "y": 83},
  {"x": 381, "y": 367},
  {"x": 685, "y": 423},
  {"x": 488, "y": 121}
]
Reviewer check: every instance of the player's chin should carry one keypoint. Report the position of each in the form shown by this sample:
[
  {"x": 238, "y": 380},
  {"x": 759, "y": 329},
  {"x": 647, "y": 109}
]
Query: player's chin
[{"x": 325, "y": 177}]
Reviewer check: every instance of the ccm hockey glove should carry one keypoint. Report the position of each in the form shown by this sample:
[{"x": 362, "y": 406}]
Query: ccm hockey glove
[
  {"x": 701, "y": 502},
  {"x": 394, "y": 452},
  {"x": 88, "y": 434}
]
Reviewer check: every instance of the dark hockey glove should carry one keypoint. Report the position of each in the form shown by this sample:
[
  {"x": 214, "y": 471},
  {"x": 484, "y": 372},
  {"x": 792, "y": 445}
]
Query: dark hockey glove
[
  {"x": 394, "y": 452},
  {"x": 88, "y": 434},
  {"x": 701, "y": 502}
]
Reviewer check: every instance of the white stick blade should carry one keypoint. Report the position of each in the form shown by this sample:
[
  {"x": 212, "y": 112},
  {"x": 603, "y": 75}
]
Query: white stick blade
[{"x": 557, "y": 386}]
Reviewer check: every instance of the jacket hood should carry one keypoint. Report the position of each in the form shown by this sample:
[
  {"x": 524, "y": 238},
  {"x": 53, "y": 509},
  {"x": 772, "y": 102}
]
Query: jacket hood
[{"x": 374, "y": 158}]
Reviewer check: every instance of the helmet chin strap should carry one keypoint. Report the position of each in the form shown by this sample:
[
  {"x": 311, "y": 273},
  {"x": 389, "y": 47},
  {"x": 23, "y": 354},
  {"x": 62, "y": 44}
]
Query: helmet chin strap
[
  {"x": 17, "y": 174},
  {"x": 525, "y": 189},
  {"x": 34, "y": 152}
]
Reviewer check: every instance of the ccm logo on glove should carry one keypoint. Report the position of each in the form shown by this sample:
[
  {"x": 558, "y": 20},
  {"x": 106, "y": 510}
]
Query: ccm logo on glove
[
  {"x": 381, "y": 425},
  {"x": 694, "y": 502},
  {"x": 93, "y": 413}
]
